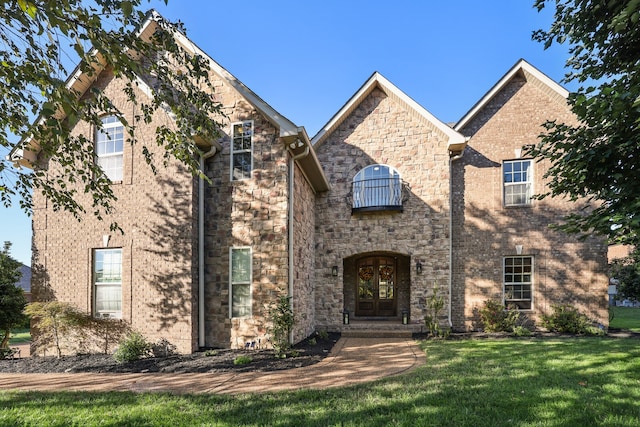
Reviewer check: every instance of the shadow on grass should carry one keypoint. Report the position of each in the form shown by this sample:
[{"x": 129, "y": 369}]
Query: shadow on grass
[{"x": 554, "y": 382}]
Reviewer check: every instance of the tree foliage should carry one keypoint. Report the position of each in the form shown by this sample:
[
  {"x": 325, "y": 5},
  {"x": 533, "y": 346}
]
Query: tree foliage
[
  {"x": 40, "y": 42},
  {"x": 54, "y": 322},
  {"x": 12, "y": 300},
  {"x": 627, "y": 272},
  {"x": 598, "y": 159}
]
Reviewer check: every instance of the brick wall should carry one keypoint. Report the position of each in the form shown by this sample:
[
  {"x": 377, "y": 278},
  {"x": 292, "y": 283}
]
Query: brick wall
[
  {"x": 566, "y": 270},
  {"x": 156, "y": 213},
  {"x": 382, "y": 131}
]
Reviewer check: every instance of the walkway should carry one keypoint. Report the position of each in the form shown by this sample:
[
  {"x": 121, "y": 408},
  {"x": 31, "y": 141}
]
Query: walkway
[{"x": 352, "y": 361}]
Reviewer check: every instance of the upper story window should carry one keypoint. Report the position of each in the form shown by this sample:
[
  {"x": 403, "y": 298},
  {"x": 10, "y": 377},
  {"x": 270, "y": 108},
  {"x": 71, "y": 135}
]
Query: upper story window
[
  {"x": 517, "y": 179},
  {"x": 242, "y": 150},
  {"x": 107, "y": 282},
  {"x": 377, "y": 187},
  {"x": 109, "y": 143}
]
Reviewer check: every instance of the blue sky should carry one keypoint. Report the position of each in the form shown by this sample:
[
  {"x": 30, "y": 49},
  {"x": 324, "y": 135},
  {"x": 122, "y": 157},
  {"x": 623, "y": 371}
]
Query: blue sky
[{"x": 306, "y": 58}]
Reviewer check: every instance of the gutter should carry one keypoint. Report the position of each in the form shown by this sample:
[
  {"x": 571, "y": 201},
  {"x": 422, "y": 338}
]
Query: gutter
[
  {"x": 290, "y": 147},
  {"x": 451, "y": 160},
  {"x": 201, "y": 329}
]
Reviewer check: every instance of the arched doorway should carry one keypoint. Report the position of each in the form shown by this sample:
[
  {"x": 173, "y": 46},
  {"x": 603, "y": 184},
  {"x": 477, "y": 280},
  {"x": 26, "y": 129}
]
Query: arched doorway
[{"x": 376, "y": 286}]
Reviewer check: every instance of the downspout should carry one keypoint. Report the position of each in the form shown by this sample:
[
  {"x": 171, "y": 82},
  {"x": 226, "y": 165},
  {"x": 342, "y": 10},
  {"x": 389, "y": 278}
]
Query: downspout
[
  {"x": 451, "y": 160},
  {"x": 292, "y": 160},
  {"x": 201, "y": 329}
]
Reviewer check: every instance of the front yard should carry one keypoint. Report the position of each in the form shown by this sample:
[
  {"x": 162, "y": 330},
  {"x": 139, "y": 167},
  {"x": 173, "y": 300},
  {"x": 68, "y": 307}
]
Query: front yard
[{"x": 484, "y": 382}]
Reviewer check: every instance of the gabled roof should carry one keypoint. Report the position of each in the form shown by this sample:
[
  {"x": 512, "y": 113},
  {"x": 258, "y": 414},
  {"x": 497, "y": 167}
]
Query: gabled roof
[
  {"x": 288, "y": 131},
  {"x": 377, "y": 81},
  {"x": 521, "y": 68}
]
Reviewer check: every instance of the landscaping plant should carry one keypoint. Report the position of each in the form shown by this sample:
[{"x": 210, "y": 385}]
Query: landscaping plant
[
  {"x": 566, "y": 319},
  {"x": 282, "y": 320},
  {"x": 53, "y": 322},
  {"x": 133, "y": 347},
  {"x": 496, "y": 317}
]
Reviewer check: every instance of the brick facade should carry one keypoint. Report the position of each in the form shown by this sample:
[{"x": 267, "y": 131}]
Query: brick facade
[
  {"x": 288, "y": 219},
  {"x": 566, "y": 270}
]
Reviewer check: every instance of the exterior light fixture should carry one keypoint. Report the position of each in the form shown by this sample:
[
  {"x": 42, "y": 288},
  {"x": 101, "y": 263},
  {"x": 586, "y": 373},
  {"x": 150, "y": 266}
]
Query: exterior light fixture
[
  {"x": 345, "y": 317},
  {"x": 418, "y": 267},
  {"x": 405, "y": 317},
  {"x": 334, "y": 270}
]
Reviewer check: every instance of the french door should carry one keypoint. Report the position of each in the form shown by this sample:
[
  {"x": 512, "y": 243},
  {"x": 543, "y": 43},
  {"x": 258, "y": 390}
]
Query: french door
[{"x": 376, "y": 287}]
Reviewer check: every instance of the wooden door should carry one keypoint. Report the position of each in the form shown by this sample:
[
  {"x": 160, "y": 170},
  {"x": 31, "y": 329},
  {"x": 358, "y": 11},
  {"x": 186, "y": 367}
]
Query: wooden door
[{"x": 376, "y": 287}]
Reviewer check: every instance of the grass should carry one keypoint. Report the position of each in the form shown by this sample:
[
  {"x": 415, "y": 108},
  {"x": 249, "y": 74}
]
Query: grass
[
  {"x": 20, "y": 336},
  {"x": 626, "y": 318},
  {"x": 587, "y": 381}
]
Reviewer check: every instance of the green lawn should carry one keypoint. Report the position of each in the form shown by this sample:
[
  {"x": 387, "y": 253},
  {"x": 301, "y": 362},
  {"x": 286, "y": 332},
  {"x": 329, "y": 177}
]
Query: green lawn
[
  {"x": 20, "y": 336},
  {"x": 626, "y": 318},
  {"x": 490, "y": 382}
]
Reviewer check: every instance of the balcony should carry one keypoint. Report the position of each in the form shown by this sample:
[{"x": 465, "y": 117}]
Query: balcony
[{"x": 379, "y": 194}]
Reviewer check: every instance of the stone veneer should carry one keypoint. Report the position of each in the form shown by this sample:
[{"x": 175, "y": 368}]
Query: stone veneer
[
  {"x": 382, "y": 131},
  {"x": 565, "y": 270}
]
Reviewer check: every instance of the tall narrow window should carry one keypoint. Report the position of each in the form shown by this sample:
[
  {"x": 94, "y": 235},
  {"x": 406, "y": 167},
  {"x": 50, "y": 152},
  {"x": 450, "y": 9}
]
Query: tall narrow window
[
  {"x": 240, "y": 282},
  {"x": 109, "y": 143},
  {"x": 517, "y": 182},
  {"x": 107, "y": 282},
  {"x": 242, "y": 150},
  {"x": 518, "y": 281},
  {"x": 377, "y": 187}
]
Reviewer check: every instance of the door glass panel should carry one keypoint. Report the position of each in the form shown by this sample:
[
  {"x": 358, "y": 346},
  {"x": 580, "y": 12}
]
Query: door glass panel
[
  {"x": 365, "y": 282},
  {"x": 385, "y": 288}
]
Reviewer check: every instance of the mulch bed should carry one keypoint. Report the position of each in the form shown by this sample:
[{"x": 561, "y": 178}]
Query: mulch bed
[{"x": 222, "y": 360}]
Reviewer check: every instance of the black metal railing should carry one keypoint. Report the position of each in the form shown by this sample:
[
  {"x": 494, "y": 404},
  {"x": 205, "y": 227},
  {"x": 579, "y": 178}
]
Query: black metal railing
[{"x": 377, "y": 194}]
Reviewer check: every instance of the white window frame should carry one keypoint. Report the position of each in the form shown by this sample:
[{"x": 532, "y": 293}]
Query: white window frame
[
  {"x": 111, "y": 136},
  {"x": 243, "y": 151},
  {"x": 115, "y": 282},
  {"x": 521, "y": 282},
  {"x": 384, "y": 197},
  {"x": 513, "y": 179},
  {"x": 245, "y": 283}
]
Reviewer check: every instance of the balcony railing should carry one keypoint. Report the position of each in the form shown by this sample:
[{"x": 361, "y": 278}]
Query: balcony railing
[{"x": 378, "y": 194}]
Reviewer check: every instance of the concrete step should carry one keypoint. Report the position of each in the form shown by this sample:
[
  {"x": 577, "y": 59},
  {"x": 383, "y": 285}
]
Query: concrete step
[{"x": 377, "y": 333}]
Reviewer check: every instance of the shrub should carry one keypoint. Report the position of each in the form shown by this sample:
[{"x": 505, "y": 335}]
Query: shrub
[
  {"x": 242, "y": 360},
  {"x": 163, "y": 348},
  {"x": 133, "y": 347},
  {"x": 323, "y": 334},
  {"x": 566, "y": 319},
  {"x": 497, "y": 318},
  {"x": 521, "y": 331},
  {"x": 282, "y": 320},
  {"x": 435, "y": 306},
  {"x": 107, "y": 331}
]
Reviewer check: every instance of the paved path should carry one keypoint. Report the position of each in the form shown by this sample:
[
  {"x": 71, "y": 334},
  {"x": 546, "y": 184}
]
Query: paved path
[{"x": 352, "y": 361}]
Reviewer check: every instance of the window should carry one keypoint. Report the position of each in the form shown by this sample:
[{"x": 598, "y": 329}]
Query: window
[
  {"x": 377, "y": 187},
  {"x": 518, "y": 280},
  {"x": 241, "y": 151},
  {"x": 517, "y": 182},
  {"x": 109, "y": 145},
  {"x": 107, "y": 282},
  {"x": 240, "y": 282}
]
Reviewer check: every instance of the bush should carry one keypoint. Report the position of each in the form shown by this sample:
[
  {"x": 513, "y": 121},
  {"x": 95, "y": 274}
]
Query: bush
[
  {"x": 242, "y": 360},
  {"x": 566, "y": 319},
  {"x": 163, "y": 348},
  {"x": 282, "y": 320},
  {"x": 133, "y": 347},
  {"x": 497, "y": 318},
  {"x": 435, "y": 307}
]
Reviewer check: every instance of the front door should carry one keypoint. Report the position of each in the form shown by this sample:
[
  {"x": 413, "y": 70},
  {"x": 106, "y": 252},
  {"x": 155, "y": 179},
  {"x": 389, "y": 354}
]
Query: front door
[{"x": 376, "y": 286}]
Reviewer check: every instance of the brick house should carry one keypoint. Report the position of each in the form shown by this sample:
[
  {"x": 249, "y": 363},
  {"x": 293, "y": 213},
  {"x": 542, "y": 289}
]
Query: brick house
[{"x": 385, "y": 204}]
